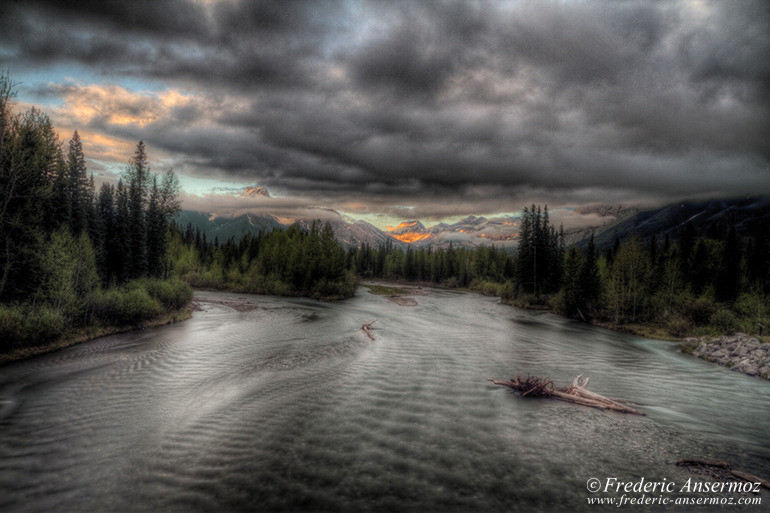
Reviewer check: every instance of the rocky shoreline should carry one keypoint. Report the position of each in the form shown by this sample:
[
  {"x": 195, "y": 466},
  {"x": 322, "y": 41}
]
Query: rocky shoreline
[{"x": 739, "y": 352}]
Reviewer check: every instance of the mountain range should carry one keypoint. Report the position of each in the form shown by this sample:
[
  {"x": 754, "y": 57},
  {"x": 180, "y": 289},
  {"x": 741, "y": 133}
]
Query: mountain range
[
  {"x": 222, "y": 228},
  {"x": 748, "y": 215},
  {"x": 469, "y": 232}
]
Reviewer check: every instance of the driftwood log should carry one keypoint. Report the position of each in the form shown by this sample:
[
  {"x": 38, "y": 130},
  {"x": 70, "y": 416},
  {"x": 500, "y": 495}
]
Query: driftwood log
[
  {"x": 706, "y": 463},
  {"x": 532, "y": 386},
  {"x": 367, "y": 328},
  {"x": 720, "y": 470},
  {"x": 751, "y": 478}
]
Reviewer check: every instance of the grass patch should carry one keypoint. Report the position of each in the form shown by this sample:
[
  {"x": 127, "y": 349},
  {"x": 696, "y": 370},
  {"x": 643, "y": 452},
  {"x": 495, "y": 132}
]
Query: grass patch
[{"x": 383, "y": 290}]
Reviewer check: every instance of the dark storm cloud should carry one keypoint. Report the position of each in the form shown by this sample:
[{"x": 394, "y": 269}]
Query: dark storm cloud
[{"x": 405, "y": 102}]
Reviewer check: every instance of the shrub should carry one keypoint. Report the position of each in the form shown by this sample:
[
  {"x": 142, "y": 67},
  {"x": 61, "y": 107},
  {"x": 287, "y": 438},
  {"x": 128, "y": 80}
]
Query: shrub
[
  {"x": 559, "y": 303},
  {"x": 700, "y": 310},
  {"x": 488, "y": 288},
  {"x": 43, "y": 324},
  {"x": 679, "y": 326},
  {"x": 11, "y": 325},
  {"x": 507, "y": 290},
  {"x": 751, "y": 305},
  {"x": 171, "y": 294},
  {"x": 452, "y": 282},
  {"x": 725, "y": 321},
  {"x": 23, "y": 326},
  {"x": 125, "y": 306}
]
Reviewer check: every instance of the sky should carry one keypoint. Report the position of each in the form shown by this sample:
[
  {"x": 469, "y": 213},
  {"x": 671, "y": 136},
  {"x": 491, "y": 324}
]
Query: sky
[{"x": 391, "y": 110}]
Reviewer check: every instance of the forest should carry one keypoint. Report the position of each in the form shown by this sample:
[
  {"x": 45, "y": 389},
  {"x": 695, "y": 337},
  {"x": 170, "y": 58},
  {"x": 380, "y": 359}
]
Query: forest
[
  {"x": 74, "y": 262},
  {"x": 284, "y": 262}
]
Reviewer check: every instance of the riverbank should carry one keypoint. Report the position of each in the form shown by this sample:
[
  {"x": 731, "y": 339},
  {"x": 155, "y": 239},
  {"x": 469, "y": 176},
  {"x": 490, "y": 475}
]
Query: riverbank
[
  {"x": 27, "y": 330},
  {"x": 93, "y": 332},
  {"x": 737, "y": 352}
]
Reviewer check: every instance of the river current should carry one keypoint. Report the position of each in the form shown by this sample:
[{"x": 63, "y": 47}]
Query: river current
[{"x": 285, "y": 405}]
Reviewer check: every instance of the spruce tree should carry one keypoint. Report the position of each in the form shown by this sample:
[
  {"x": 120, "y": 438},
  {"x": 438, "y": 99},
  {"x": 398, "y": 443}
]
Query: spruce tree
[
  {"x": 107, "y": 244},
  {"x": 728, "y": 276},
  {"x": 155, "y": 231},
  {"x": 27, "y": 161},
  {"x": 138, "y": 177},
  {"x": 590, "y": 281},
  {"x": 77, "y": 186},
  {"x": 123, "y": 233}
]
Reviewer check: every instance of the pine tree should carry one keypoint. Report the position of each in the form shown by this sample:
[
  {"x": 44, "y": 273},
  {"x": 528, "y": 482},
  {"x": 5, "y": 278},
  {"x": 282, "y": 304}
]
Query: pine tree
[
  {"x": 58, "y": 211},
  {"x": 155, "y": 231},
  {"x": 138, "y": 177},
  {"x": 77, "y": 186},
  {"x": 122, "y": 234},
  {"x": 525, "y": 263},
  {"x": 686, "y": 243},
  {"x": 573, "y": 265},
  {"x": 758, "y": 261},
  {"x": 107, "y": 243},
  {"x": 589, "y": 280},
  {"x": 27, "y": 163},
  {"x": 728, "y": 276}
]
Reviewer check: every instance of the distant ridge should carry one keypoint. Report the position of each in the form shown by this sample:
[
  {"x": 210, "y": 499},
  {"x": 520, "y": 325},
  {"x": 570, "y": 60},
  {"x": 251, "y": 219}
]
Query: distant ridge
[
  {"x": 469, "y": 232},
  {"x": 748, "y": 215},
  {"x": 224, "y": 228}
]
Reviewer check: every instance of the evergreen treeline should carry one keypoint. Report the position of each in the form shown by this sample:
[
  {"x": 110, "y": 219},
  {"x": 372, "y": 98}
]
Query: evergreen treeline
[
  {"x": 288, "y": 261},
  {"x": 710, "y": 283},
  {"x": 452, "y": 267},
  {"x": 71, "y": 258},
  {"x": 715, "y": 281}
]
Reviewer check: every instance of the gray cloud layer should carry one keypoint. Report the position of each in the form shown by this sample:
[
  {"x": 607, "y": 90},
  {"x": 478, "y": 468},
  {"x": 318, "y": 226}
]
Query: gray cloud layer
[{"x": 449, "y": 105}]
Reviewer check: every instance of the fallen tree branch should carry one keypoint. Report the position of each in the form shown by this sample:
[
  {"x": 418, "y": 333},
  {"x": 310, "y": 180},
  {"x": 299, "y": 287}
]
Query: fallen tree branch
[
  {"x": 367, "y": 328},
  {"x": 697, "y": 461},
  {"x": 576, "y": 393},
  {"x": 751, "y": 478},
  {"x": 720, "y": 471}
]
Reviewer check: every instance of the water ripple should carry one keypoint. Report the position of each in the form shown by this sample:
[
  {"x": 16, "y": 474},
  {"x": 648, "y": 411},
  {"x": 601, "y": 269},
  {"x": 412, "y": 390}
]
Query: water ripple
[{"x": 288, "y": 406}]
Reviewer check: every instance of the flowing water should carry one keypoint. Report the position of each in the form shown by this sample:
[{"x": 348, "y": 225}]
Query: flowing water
[{"x": 289, "y": 406}]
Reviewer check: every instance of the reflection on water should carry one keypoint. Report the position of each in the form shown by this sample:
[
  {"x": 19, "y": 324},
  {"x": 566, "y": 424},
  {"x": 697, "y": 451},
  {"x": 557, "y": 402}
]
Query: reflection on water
[{"x": 289, "y": 406}]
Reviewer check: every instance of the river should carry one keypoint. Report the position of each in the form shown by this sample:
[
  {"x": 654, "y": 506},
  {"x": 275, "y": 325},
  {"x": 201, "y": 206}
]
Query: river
[{"x": 288, "y": 406}]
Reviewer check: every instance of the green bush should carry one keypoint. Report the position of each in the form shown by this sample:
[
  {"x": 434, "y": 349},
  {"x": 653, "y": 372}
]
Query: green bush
[
  {"x": 725, "y": 321},
  {"x": 171, "y": 294},
  {"x": 700, "y": 310},
  {"x": 488, "y": 288},
  {"x": 24, "y": 326},
  {"x": 679, "y": 326},
  {"x": 125, "y": 306},
  {"x": 507, "y": 290},
  {"x": 559, "y": 303},
  {"x": 11, "y": 325},
  {"x": 752, "y": 305},
  {"x": 44, "y": 324},
  {"x": 452, "y": 282}
]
